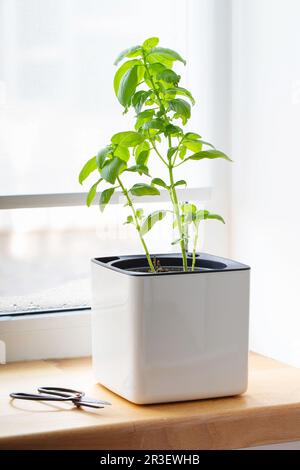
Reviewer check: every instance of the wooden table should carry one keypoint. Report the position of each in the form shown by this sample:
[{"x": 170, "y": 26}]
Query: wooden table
[{"x": 268, "y": 413}]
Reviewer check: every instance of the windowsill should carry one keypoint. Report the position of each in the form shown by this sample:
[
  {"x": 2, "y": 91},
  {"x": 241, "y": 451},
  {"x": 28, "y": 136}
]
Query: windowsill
[
  {"x": 39, "y": 336},
  {"x": 269, "y": 413}
]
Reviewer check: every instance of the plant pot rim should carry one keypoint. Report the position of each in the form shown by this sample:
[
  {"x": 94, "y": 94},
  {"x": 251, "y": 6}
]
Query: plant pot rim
[{"x": 206, "y": 262}]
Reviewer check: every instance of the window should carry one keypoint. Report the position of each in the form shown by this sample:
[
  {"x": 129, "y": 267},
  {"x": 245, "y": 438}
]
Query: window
[
  {"x": 46, "y": 254},
  {"x": 57, "y": 98},
  {"x": 57, "y": 106}
]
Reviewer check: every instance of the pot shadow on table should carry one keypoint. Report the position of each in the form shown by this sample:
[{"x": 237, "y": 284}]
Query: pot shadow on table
[{"x": 242, "y": 400}]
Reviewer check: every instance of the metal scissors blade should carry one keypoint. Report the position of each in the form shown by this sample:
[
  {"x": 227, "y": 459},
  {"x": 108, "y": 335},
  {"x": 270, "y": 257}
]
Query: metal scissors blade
[
  {"x": 79, "y": 403},
  {"x": 94, "y": 400}
]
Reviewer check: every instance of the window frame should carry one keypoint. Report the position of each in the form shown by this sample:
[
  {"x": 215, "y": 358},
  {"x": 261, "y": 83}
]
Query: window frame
[{"x": 34, "y": 201}]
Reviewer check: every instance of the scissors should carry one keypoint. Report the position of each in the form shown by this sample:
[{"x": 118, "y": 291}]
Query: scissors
[{"x": 61, "y": 394}]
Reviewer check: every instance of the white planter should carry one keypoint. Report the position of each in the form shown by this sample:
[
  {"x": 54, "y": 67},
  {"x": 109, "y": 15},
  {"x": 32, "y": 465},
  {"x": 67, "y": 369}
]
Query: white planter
[{"x": 170, "y": 336}]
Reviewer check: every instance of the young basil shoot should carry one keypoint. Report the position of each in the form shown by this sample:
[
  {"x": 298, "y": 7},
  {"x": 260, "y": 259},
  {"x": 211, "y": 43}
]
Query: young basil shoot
[{"x": 147, "y": 83}]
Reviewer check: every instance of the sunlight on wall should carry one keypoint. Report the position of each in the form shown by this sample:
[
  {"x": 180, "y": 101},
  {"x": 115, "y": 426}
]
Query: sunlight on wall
[{"x": 266, "y": 192}]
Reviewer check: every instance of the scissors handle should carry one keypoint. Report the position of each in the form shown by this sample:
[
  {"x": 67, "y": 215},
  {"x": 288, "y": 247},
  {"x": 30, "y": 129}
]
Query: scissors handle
[
  {"x": 61, "y": 392},
  {"x": 39, "y": 397}
]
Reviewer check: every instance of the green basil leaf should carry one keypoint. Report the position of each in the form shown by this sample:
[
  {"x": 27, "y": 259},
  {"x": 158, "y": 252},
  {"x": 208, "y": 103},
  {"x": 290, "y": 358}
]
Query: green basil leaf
[
  {"x": 122, "y": 70},
  {"x": 171, "y": 152},
  {"x": 139, "y": 213},
  {"x": 159, "y": 182},
  {"x": 181, "y": 108},
  {"x": 189, "y": 213},
  {"x": 151, "y": 220},
  {"x": 182, "y": 152},
  {"x": 154, "y": 59},
  {"x": 142, "y": 159},
  {"x": 180, "y": 183},
  {"x": 169, "y": 76},
  {"x": 216, "y": 216},
  {"x": 201, "y": 215},
  {"x": 204, "y": 215},
  {"x": 203, "y": 142},
  {"x": 151, "y": 42},
  {"x": 127, "y": 138},
  {"x": 127, "y": 86},
  {"x": 143, "y": 117},
  {"x": 135, "y": 53},
  {"x": 161, "y": 53},
  {"x": 209, "y": 154},
  {"x": 192, "y": 136},
  {"x": 154, "y": 124},
  {"x": 141, "y": 169},
  {"x": 142, "y": 189},
  {"x": 180, "y": 91},
  {"x": 122, "y": 152},
  {"x": 139, "y": 99},
  {"x": 173, "y": 130},
  {"x": 154, "y": 70},
  {"x": 92, "y": 193},
  {"x": 127, "y": 53},
  {"x": 193, "y": 145},
  {"x": 112, "y": 168},
  {"x": 150, "y": 75},
  {"x": 102, "y": 155},
  {"x": 129, "y": 220},
  {"x": 142, "y": 153},
  {"x": 88, "y": 168},
  {"x": 105, "y": 197},
  {"x": 186, "y": 208}
]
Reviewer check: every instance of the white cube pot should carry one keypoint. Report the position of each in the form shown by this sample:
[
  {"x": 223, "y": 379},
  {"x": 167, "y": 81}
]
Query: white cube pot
[{"x": 170, "y": 336}]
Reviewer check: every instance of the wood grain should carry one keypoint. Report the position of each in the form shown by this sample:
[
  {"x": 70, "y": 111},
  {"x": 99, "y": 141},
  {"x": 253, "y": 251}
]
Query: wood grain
[{"x": 268, "y": 413}]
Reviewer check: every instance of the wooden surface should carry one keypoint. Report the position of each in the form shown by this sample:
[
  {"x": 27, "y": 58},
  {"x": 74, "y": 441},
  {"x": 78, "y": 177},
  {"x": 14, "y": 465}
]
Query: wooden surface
[{"x": 268, "y": 413}]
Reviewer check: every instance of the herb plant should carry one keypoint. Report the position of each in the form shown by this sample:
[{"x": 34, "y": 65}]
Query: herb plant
[{"x": 148, "y": 84}]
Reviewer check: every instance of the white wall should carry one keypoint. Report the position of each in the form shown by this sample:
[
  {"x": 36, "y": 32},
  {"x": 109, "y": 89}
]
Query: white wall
[{"x": 265, "y": 225}]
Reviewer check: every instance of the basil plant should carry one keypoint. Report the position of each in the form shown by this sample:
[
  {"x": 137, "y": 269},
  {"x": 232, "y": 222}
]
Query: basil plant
[{"x": 147, "y": 83}]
